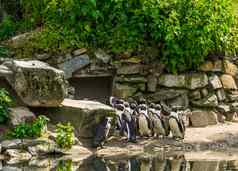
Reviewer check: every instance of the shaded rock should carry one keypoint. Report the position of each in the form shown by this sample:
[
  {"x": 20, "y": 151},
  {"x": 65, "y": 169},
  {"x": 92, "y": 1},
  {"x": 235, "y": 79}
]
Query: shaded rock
[
  {"x": 11, "y": 144},
  {"x": 232, "y": 116},
  {"x": 196, "y": 80},
  {"x": 5, "y": 71},
  {"x": 210, "y": 101},
  {"x": 215, "y": 82},
  {"x": 130, "y": 69},
  {"x": 232, "y": 96},
  {"x": 43, "y": 149},
  {"x": 166, "y": 94},
  {"x": 124, "y": 90},
  {"x": 102, "y": 56},
  {"x": 199, "y": 119},
  {"x": 230, "y": 68},
  {"x": 221, "y": 95},
  {"x": 36, "y": 83},
  {"x": 42, "y": 57},
  {"x": 17, "y": 156},
  {"x": 141, "y": 87},
  {"x": 223, "y": 108},
  {"x": 151, "y": 83},
  {"x": 211, "y": 66},
  {"x": 228, "y": 82},
  {"x": 74, "y": 64},
  {"x": 179, "y": 101},
  {"x": 83, "y": 115},
  {"x": 11, "y": 168},
  {"x": 135, "y": 79},
  {"x": 195, "y": 95},
  {"x": 234, "y": 107},
  {"x": 204, "y": 92},
  {"x": 212, "y": 118},
  {"x": 20, "y": 115},
  {"x": 170, "y": 80},
  {"x": 79, "y": 52}
]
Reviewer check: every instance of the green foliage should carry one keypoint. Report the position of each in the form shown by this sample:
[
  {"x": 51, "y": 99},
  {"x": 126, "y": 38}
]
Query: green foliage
[
  {"x": 5, "y": 102},
  {"x": 65, "y": 135},
  {"x": 184, "y": 31},
  {"x": 4, "y": 52},
  {"x": 64, "y": 166},
  {"x": 7, "y": 28},
  {"x": 29, "y": 130}
]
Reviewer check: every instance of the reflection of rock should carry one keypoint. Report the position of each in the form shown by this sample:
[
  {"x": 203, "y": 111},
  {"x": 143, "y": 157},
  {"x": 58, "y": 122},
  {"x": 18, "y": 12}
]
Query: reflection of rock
[
  {"x": 17, "y": 156},
  {"x": 205, "y": 166}
]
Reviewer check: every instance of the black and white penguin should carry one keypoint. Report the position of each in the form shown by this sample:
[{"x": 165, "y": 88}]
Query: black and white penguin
[
  {"x": 143, "y": 121},
  {"x": 102, "y": 132},
  {"x": 176, "y": 124},
  {"x": 159, "y": 126}
]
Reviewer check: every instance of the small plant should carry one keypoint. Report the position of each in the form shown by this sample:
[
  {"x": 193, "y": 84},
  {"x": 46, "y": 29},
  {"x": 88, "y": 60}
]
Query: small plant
[
  {"x": 27, "y": 130},
  {"x": 65, "y": 135},
  {"x": 5, "y": 102},
  {"x": 7, "y": 28},
  {"x": 64, "y": 166}
]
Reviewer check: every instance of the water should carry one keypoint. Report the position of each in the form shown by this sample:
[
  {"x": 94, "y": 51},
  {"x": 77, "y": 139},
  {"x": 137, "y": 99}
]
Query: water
[{"x": 130, "y": 164}]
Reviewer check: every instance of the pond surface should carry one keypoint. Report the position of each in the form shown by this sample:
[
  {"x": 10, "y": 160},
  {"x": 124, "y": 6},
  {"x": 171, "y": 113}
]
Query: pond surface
[{"x": 130, "y": 164}]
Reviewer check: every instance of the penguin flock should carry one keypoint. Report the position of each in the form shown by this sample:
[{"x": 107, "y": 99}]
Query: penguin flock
[{"x": 141, "y": 120}]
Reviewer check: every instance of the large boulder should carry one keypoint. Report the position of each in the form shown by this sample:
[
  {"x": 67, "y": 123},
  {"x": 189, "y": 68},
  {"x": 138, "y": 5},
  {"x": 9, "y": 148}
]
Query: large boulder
[
  {"x": 166, "y": 94},
  {"x": 209, "y": 101},
  {"x": 124, "y": 90},
  {"x": 212, "y": 66},
  {"x": 230, "y": 68},
  {"x": 83, "y": 115},
  {"x": 215, "y": 82},
  {"x": 199, "y": 118},
  {"x": 196, "y": 80},
  {"x": 36, "y": 83}
]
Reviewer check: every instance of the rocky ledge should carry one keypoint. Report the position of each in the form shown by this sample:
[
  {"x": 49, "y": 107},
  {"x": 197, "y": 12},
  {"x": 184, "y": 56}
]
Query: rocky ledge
[{"x": 217, "y": 138}]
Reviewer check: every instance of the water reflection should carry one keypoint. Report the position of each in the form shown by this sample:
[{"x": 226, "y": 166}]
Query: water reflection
[{"x": 133, "y": 164}]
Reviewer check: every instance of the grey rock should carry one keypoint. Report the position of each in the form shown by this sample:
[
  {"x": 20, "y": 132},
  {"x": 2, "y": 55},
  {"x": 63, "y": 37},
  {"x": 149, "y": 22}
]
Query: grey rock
[
  {"x": 42, "y": 57},
  {"x": 79, "y": 52},
  {"x": 232, "y": 96},
  {"x": 152, "y": 83},
  {"x": 195, "y": 95},
  {"x": 74, "y": 64},
  {"x": 5, "y": 71},
  {"x": 36, "y": 83},
  {"x": 103, "y": 56},
  {"x": 83, "y": 115},
  {"x": 234, "y": 107},
  {"x": 196, "y": 80},
  {"x": 215, "y": 82},
  {"x": 135, "y": 79},
  {"x": 210, "y": 101},
  {"x": 17, "y": 156},
  {"x": 170, "y": 80},
  {"x": 11, "y": 168},
  {"x": 223, "y": 108},
  {"x": 212, "y": 118},
  {"x": 166, "y": 94},
  {"x": 190, "y": 81},
  {"x": 130, "y": 69},
  {"x": 11, "y": 144},
  {"x": 199, "y": 118},
  {"x": 221, "y": 95},
  {"x": 181, "y": 100},
  {"x": 20, "y": 115},
  {"x": 204, "y": 92},
  {"x": 124, "y": 90}
]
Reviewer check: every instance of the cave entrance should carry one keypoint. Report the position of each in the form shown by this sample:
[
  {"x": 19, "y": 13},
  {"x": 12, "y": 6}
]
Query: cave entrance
[{"x": 92, "y": 88}]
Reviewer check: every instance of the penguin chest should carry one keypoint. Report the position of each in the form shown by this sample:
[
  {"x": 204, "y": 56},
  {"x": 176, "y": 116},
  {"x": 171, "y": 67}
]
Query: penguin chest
[
  {"x": 143, "y": 125},
  {"x": 158, "y": 126},
  {"x": 175, "y": 128}
]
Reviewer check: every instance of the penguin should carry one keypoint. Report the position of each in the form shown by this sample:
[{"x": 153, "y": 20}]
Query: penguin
[
  {"x": 159, "y": 127},
  {"x": 176, "y": 125},
  {"x": 102, "y": 132},
  {"x": 130, "y": 122},
  {"x": 143, "y": 121},
  {"x": 115, "y": 101}
]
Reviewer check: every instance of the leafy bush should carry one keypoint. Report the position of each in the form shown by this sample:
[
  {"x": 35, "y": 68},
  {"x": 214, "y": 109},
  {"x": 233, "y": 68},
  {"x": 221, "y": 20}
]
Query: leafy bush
[
  {"x": 66, "y": 165},
  {"x": 4, "y": 51},
  {"x": 29, "y": 130},
  {"x": 65, "y": 135},
  {"x": 5, "y": 102},
  {"x": 7, "y": 28},
  {"x": 184, "y": 31}
]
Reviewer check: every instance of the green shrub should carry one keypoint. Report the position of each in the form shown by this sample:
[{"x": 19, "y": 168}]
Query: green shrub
[
  {"x": 7, "y": 28},
  {"x": 65, "y": 135},
  {"x": 29, "y": 130},
  {"x": 4, "y": 51},
  {"x": 184, "y": 31},
  {"x": 64, "y": 166},
  {"x": 5, "y": 102}
]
